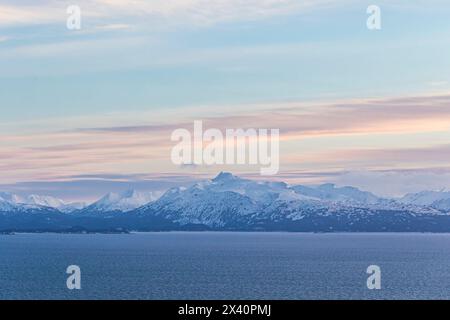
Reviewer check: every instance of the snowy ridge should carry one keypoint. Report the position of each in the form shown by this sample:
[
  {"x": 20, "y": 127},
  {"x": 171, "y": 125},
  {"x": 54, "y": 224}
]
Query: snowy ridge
[
  {"x": 13, "y": 202},
  {"x": 123, "y": 202},
  {"x": 228, "y": 202},
  {"x": 439, "y": 200}
]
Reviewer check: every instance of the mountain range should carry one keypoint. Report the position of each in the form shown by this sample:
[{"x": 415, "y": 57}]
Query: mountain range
[{"x": 231, "y": 203}]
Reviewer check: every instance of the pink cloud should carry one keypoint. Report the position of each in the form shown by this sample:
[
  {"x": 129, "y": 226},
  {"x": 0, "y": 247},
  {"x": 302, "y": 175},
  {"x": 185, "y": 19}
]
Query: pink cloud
[{"x": 146, "y": 147}]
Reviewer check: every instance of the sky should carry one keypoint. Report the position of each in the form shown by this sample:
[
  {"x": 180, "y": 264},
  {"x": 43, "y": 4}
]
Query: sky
[{"x": 92, "y": 110}]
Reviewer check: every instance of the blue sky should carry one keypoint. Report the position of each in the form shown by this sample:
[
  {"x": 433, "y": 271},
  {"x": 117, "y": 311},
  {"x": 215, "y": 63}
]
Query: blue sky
[
  {"x": 319, "y": 53},
  {"x": 139, "y": 63}
]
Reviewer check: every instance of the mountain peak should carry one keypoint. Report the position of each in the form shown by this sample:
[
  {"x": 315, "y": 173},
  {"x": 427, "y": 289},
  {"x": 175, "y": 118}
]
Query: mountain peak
[
  {"x": 124, "y": 201},
  {"x": 10, "y": 197},
  {"x": 45, "y": 201},
  {"x": 224, "y": 176},
  {"x": 111, "y": 196},
  {"x": 130, "y": 193},
  {"x": 328, "y": 186}
]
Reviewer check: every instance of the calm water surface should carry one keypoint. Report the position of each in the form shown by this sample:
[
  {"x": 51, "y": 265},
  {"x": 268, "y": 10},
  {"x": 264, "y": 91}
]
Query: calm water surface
[{"x": 225, "y": 266}]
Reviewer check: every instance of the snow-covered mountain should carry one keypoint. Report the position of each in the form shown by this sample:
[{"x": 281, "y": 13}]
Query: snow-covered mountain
[
  {"x": 9, "y": 197},
  {"x": 258, "y": 191},
  {"x": 36, "y": 201},
  {"x": 121, "y": 202},
  {"x": 6, "y": 206},
  {"x": 10, "y": 202},
  {"x": 45, "y": 201},
  {"x": 72, "y": 207},
  {"x": 12, "y": 205},
  {"x": 330, "y": 192},
  {"x": 228, "y": 202},
  {"x": 439, "y": 200},
  {"x": 225, "y": 200}
]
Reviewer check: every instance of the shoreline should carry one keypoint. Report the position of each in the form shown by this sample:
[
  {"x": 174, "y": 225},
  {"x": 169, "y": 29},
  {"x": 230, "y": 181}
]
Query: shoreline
[{"x": 223, "y": 232}]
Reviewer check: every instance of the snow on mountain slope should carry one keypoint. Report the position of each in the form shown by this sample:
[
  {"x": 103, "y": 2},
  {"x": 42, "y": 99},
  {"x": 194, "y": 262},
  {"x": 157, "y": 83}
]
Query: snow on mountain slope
[
  {"x": 330, "y": 192},
  {"x": 36, "y": 201},
  {"x": 228, "y": 202},
  {"x": 262, "y": 192},
  {"x": 72, "y": 207},
  {"x": 9, "y": 197},
  {"x": 229, "y": 199},
  {"x": 123, "y": 202},
  {"x": 425, "y": 198},
  {"x": 10, "y": 202},
  {"x": 345, "y": 198},
  {"x": 198, "y": 205},
  {"x": 436, "y": 199},
  {"x": 45, "y": 201},
  {"x": 6, "y": 206}
]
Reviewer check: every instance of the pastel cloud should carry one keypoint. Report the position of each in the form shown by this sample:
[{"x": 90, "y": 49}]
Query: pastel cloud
[
  {"x": 315, "y": 137},
  {"x": 197, "y": 12},
  {"x": 296, "y": 120}
]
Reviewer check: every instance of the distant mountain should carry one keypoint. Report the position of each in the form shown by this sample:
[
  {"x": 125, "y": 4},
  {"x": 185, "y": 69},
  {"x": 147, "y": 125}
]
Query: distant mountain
[
  {"x": 72, "y": 207},
  {"x": 45, "y": 201},
  {"x": 123, "y": 202},
  {"x": 439, "y": 200},
  {"x": 7, "y": 206},
  {"x": 330, "y": 192},
  {"x": 9, "y": 197},
  {"x": 37, "y": 201},
  {"x": 27, "y": 217},
  {"x": 228, "y": 202}
]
